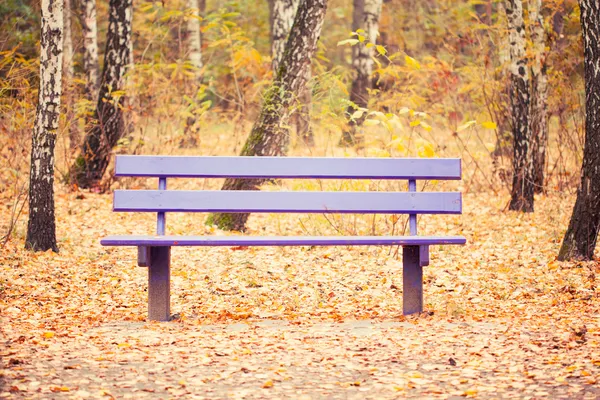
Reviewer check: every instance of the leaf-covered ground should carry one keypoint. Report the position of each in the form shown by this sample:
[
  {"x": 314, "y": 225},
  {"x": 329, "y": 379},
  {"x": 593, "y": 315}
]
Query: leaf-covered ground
[{"x": 503, "y": 318}]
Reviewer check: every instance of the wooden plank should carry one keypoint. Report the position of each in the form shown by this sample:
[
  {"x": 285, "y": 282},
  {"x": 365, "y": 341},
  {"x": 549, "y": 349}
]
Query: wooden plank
[
  {"x": 288, "y": 202},
  {"x": 412, "y": 281},
  {"x": 288, "y": 167},
  {"x": 280, "y": 240}
]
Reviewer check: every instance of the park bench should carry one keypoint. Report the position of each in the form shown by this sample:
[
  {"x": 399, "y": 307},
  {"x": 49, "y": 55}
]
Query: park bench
[{"x": 154, "y": 251}]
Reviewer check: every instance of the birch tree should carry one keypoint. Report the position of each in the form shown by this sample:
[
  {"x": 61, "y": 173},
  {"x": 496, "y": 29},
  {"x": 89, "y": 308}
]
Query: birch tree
[
  {"x": 90, "y": 47},
  {"x": 270, "y": 133},
  {"x": 194, "y": 38},
  {"x": 365, "y": 16},
  {"x": 68, "y": 73},
  {"x": 101, "y": 137},
  {"x": 282, "y": 19},
  {"x": 523, "y": 184},
  {"x": 580, "y": 239},
  {"x": 41, "y": 227},
  {"x": 539, "y": 94}
]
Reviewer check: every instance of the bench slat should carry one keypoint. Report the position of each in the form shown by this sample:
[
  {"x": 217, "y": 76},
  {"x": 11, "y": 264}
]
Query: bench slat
[
  {"x": 161, "y": 241},
  {"x": 288, "y": 167},
  {"x": 288, "y": 202}
]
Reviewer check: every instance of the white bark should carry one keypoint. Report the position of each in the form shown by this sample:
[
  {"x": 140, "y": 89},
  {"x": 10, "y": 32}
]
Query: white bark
[
  {"x": 41, "y": 225},
  {"x": 67, "y": 43},
  {"x": 90, "y": 47},
  {"x": 194, "y": 37},
  {"x": 284, "y": 12}
]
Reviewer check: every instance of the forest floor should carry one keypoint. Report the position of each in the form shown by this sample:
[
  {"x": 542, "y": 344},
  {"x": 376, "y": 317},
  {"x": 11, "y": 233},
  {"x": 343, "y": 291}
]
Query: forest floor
[{"x": 503, "y": 318}]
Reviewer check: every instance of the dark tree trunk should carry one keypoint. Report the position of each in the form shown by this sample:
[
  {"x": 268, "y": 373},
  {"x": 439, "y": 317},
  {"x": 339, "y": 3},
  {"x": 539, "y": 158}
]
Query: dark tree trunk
[
  {"x": 580, "y": 239},
  {"x": 523, "y": 185},
  {"x": 270, "y": 133},
  {"x": 365, "y": 16},
  {"x": 41, "y": 228},
  {"x": 110, "y": 127}
]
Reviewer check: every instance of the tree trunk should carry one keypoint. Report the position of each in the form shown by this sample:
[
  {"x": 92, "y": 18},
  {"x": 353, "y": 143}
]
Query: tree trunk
[
  {"x": 580, "y": 239},
  {"x": 539, "y": 95},
  {"x": 41, "y": 228},
  {"x": 110, "y": 127},
  {"x": 68, "y": 73},
  {"x": 304, "y": 129},
  {"x": 90, "y": 47},
  {"x": 365, "y": 16},
  {"x": 194, "y": 39},
  {"x": 270, "y": 133},
  {"x": 523, "y": 185},
  {"x": 282, "y": 19},
  {"x": 194, "y": 44}
]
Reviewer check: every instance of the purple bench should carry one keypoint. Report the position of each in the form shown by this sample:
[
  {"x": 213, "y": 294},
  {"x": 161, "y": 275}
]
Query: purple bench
[{"x": 154, "y": 251}]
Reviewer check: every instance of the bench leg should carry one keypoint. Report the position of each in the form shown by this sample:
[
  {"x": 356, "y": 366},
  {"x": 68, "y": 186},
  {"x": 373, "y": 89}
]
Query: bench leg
[
  {"x": 159, "y": 284},
  {"x": 412, "y": 284}
]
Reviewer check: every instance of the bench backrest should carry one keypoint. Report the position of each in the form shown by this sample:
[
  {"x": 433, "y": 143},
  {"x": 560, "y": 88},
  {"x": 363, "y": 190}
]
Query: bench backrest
[{"x": 411, "y": 169}]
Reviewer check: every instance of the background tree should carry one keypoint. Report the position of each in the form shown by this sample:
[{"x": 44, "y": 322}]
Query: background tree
[
  {"x": 194, "y": 38},
  {"x": 581, "y": 236},
  {"x": 68, "y": 73},
  {"x": 282, "y": 19},
  {"x": 523, "y": 184},
  {"x": 270, "y": 133},
  {"x": 100, "y": 138},
  {"x": 90, "y": 47},
  {"x": 539, "y": 94},
  {"x": 365, "y": 16},
  {"x": 41, "y": 228}
]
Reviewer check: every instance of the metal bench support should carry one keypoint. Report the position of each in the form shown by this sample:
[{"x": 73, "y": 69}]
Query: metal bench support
[
  {"x": 412, "y": 282},
  {"x": 159, "y": 284}
]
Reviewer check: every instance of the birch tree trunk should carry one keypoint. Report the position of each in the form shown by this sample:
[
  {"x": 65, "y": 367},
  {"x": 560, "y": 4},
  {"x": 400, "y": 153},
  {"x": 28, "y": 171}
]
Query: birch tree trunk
[
  {"x": 282, "y": 19},
  {"x": 365, "y": 16},
  {"x": 68, "y": 72},
  {"x": 580, "y": 239},
  {"x": 270, "y": 133},
  {"x": 539, "y": 94},
  {"x": 523, "y": 184},
  {"x": 194, "y": 39},
  {"x": 90, "y": 47},
  {"x": 41, "y": 228},
  {"x": 194, "y": 54},
  {"x": 110, "y": 127}
]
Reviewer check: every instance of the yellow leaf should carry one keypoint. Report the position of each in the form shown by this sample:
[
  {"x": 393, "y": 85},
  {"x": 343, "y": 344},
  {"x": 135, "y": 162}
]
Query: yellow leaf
[
  {"x": 351, "y": 42},
  {"x": 412, "y": 63},
  {"x": 268, "y": 384},
  {"x": 426, "y": 150},
  {"x": 381, "y": 50},
  {"x": 371, "y": 122},
  {"x": 124, "y": 345},
  {"x": 357, "y": 114},
  {"x": 489, "y": 125},
  {"x": 416, "y": 122},
  {"x": 465, "y": 126},
  {"x": 48, "y": 335},
  {"x": 471, "y": 392},
  {"x": 426, "y": 126}
]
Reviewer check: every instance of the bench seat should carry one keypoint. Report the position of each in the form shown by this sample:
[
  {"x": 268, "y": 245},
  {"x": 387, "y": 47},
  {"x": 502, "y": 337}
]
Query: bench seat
[{"x": 170, "y": 240}]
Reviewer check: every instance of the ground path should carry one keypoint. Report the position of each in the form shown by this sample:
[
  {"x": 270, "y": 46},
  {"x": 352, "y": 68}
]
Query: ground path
[{"x": 503, "y": 318}]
